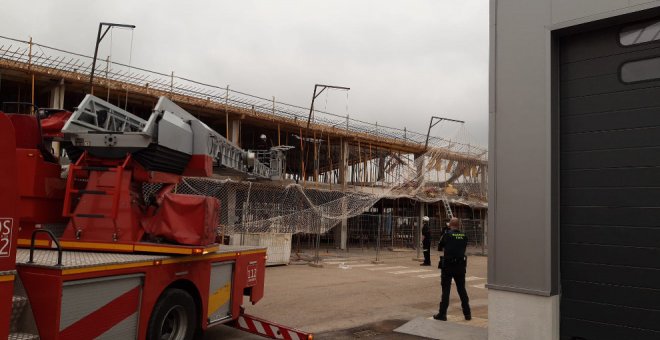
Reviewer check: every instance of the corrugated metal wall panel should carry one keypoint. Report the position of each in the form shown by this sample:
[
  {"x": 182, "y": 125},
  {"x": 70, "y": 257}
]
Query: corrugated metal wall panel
[{"x": 610, "y": 190}]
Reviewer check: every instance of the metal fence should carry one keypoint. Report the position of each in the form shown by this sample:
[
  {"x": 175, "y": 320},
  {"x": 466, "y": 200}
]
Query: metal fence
[{"x": 397, "y": 232}]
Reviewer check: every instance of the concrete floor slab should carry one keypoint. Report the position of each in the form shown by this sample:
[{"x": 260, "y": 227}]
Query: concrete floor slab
[{"x": 442, "y": 330}]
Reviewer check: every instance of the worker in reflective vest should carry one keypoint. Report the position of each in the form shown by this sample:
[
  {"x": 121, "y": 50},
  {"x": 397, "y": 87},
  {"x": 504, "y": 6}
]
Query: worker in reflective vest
[{"x": 453, "y": 265}]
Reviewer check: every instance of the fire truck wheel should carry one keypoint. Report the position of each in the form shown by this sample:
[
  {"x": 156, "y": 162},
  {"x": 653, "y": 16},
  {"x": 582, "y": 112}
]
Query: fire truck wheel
[{"x": 173, "y": 317}]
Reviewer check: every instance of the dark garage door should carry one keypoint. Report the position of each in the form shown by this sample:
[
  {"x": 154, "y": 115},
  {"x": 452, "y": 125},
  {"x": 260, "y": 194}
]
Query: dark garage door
[{"x": 610, "y": 183}]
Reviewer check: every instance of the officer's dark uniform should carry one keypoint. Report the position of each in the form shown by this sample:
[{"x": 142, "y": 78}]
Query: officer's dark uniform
[
  {"x": 453, "y": 265},
  {"x": 426, "y": 244}
]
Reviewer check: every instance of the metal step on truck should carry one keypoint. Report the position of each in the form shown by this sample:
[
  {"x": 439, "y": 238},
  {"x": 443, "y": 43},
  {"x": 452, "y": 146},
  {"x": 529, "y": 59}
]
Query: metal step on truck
[{"x": 85, "y": 255}]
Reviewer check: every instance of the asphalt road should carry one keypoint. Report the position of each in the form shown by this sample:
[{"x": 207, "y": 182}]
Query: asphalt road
[{"x": 350, "y": 297}]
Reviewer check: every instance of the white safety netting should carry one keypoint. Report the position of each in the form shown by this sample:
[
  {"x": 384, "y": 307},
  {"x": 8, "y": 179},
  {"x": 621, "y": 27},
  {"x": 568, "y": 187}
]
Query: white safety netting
[{"x": 312, "y": 207}]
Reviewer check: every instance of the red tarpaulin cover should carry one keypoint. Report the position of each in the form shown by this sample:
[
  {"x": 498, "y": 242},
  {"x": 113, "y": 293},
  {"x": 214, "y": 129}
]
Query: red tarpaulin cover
[
  {"x": 185, "y": 219},
  {"x": 52, "y": 125}
]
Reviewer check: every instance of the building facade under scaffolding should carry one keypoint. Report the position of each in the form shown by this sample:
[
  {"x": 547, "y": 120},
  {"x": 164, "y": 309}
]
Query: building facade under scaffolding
[{"x": 357, "y": 184}]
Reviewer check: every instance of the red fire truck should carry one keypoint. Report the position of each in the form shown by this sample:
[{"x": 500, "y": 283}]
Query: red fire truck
[{"x": 82, "y": 255}]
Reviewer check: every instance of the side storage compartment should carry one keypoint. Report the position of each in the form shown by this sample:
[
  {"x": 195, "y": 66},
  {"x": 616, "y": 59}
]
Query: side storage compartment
[
  {"x": 220, "y": 288},
  {"x": 101, "y": 308}
]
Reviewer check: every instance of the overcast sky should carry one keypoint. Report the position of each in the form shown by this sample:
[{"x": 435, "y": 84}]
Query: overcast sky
[{"x": 403, "y": 60}]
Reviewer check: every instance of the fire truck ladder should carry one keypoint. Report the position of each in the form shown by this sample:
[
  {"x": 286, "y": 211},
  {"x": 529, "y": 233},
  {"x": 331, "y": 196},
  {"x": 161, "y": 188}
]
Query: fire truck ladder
[{"x": 170, "y": 136}]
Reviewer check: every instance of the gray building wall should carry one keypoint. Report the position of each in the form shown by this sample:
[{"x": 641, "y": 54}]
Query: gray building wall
[{"x": 523, "y": 242}]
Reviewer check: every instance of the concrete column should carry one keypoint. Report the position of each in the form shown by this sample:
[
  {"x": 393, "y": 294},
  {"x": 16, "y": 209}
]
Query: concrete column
[
  {"x": 420, "y": 164},
  {"x": 57, "y": 96},
  {"x": 418, "y": 232},
  {"x": 343, "y": 165},
  {"x": 381, "y": 167},
  {"x": 341, "y": 234},
  {"x": 341, "y": 231},
  {"x": 235, "y": 131}
]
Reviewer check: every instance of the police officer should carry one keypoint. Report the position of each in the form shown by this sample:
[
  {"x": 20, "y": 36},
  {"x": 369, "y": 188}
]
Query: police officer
[
  {"x": 426, "y": 241},
  {"x": 453, "y": 265}
]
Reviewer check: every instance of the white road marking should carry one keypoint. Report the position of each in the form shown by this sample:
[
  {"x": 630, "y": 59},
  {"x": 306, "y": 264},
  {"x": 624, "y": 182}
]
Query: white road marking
[
  {"x": 386, "y": 268},
  {"x": 480, "y": 286},
  {"x": 426, "y": 276},
  {"x": 361, "y": 265},
  {"x": 467, "y": 279},
  {"x": 339, "y": 262},
  {"x": 473, "y": 278},
  {"x": 410, "y": 271}
]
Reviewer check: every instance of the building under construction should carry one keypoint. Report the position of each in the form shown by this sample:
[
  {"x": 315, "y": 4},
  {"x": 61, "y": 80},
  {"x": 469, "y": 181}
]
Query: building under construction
[{"x": 355, "y": 183}]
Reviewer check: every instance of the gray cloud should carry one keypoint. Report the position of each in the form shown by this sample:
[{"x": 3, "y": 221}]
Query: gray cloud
[{"x": 404, "y": 60}]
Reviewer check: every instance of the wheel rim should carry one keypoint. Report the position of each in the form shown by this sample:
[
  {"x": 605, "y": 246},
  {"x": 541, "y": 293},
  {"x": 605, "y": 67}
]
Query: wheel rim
[{"x": 175, "y": 324}]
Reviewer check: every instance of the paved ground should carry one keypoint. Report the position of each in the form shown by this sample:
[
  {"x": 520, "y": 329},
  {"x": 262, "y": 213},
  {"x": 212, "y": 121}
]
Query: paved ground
[
  {"x": 432, "y": 329},
  {"x": 383, "y": 330},
  {"x": 351, "y": 297}
]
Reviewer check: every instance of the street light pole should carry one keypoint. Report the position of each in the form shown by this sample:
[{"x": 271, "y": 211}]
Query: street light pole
[
  {"x": 100, "y": 37},
  {"x": 309, "y": 120},
  {"x": 302, "y": 160},
  {"x": 434, "y": 121},
  {"x": 323, "y": 88}
]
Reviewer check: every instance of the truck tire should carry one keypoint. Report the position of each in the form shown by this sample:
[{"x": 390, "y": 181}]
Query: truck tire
[{"x": 174, "y": 317}]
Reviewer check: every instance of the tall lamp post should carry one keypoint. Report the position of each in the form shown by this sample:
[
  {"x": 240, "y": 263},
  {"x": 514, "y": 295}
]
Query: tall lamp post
[
  {"x": 316, "y": 94},
  {"x": 434, "y": 121},
  {"x": 99, "y": 37},
  {"x": 303, "y": 150},
  {"x": 317, "y": 259}
]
